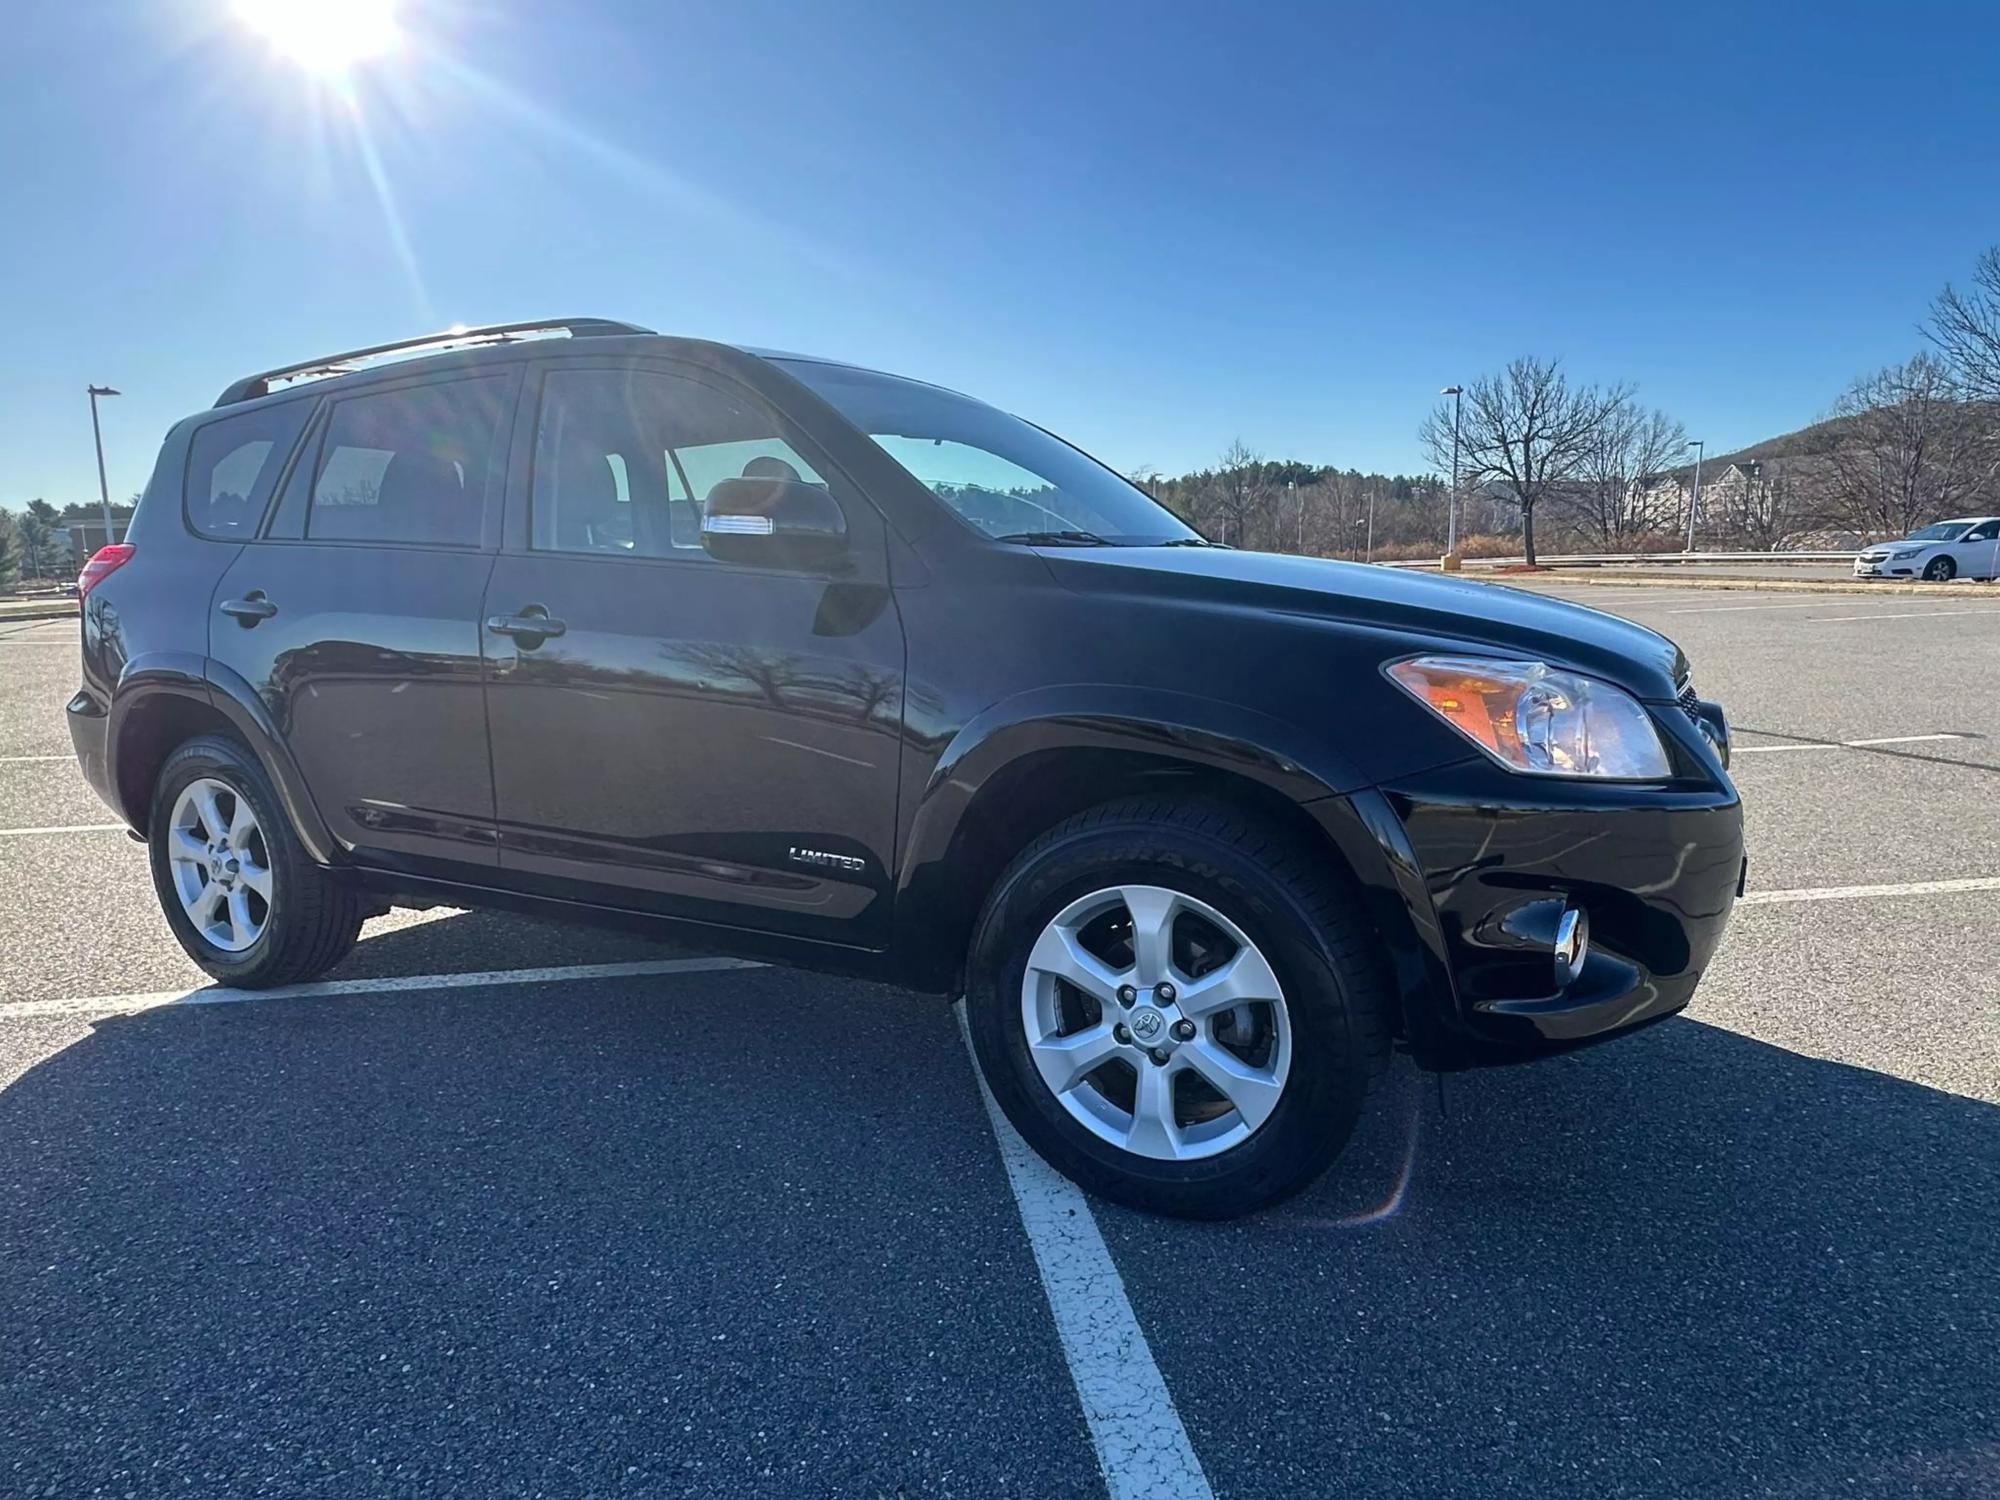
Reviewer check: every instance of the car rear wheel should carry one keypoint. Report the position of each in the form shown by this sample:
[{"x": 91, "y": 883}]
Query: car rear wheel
[
  {"x": 1940, "y": 570},
  {"x": 241, "y": 895},
  {"x": 1178, "y": 1007}
]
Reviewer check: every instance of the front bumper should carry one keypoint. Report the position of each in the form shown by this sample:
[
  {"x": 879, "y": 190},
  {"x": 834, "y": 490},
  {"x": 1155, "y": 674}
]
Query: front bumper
[
  {"x": 1501, "y": 857},
  {"x": 1882, "y": 567}
]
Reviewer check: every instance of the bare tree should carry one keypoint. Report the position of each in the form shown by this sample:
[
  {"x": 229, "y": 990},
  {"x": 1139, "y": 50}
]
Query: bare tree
[
  {"x": 1526, "y": 430},
  {"x": 1913, "y": 449},
  {"x": 1615, "y": 493},
  {"x": 1965, "y": 326},
  {"x": 1236, "y": 493}
]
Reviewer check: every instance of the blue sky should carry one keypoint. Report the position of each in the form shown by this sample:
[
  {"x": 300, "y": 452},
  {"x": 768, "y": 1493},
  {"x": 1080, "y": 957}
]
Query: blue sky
[{"x": 1153, "y": 227}]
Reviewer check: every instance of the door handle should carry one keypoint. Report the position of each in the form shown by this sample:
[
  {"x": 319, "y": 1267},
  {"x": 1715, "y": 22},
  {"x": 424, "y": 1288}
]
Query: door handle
[
  {"x": 251, "y": 608},
  {"x": 532, "y": 623}
]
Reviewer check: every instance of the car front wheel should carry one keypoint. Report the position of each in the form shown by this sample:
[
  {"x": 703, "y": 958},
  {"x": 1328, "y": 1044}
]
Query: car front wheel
[
  {"x": 1940, "y": 570},
  {"x": 240, "y": 893},
  {"x": 1177, "y": 1006}
]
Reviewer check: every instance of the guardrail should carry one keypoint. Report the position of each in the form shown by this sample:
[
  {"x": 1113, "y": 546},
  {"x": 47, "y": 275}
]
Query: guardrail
[{"x": 1613, "y": 559}]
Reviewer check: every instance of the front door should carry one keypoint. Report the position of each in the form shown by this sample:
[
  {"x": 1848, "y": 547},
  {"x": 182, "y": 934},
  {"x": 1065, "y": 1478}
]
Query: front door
[
  {"x": 1978, "y": 552},
  {"x": 700, "y": 738},
  {"x": 356, "y": 619}
]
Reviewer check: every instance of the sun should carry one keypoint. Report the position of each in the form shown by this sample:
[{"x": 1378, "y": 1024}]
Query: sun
[{"x": 324, "y": 36}]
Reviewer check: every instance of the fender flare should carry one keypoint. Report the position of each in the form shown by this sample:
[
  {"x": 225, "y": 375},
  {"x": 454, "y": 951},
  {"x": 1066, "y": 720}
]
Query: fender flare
[
  {"x": 1172, "y": 727},
  {"x": 1154, "y": 721},
  {"x": 1358, "y": 820},
  {"x": 148, "y": 679}
]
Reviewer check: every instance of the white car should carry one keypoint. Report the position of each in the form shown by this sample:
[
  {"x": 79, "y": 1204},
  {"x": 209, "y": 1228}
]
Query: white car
[{"x": 1966, "y": 548}]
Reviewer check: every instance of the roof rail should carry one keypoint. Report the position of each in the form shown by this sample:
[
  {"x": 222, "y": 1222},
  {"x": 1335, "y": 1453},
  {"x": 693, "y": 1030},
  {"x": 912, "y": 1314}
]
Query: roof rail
[{"x": 250, "y": 387}]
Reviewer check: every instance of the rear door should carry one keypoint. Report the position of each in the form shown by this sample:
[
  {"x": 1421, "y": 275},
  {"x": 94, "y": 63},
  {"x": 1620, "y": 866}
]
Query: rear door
[
  {"x": 355, "y": 616},
  {"x": 703, "y": 739}
]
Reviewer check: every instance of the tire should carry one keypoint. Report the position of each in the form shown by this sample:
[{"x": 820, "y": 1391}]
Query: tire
[
  {"x": 309, "y": 919},
  {"x": 1327, "y": 1034},
  {"x": 1940, "y": 570}
]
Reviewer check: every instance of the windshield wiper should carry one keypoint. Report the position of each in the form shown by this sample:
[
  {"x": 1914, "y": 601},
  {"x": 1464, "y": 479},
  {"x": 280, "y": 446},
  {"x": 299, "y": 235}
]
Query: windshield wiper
[
  {"x": 1192, "y": 541},
  {"x": 1055, "y": 538}
]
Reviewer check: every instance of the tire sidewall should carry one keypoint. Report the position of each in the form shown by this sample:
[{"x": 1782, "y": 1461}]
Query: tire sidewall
[
  {"x": 218, "y": 760},
  {"x": 1328, "y": 1074}
]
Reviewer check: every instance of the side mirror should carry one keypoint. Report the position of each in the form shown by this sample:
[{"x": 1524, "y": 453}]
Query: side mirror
[{"x": 773, "y": 523}]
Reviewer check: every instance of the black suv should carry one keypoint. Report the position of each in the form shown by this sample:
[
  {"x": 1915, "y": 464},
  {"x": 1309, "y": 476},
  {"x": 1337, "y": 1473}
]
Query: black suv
[{"x": 795, "y": 660}]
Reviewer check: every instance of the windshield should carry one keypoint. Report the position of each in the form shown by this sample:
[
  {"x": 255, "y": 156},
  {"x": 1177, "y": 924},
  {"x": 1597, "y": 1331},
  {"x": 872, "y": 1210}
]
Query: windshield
[
  {"x": 1005, "y": 476},
  {"x": 1944, "y": 531}
]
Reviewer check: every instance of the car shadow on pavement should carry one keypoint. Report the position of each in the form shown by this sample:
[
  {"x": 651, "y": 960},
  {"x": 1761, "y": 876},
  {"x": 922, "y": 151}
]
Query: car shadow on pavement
[
  {"x": 736, "y": 1233},
  {"x": 1687, "y": 1262},
  {"x": 746, "y": 1233},
  {"x": 481, "y": 941}
]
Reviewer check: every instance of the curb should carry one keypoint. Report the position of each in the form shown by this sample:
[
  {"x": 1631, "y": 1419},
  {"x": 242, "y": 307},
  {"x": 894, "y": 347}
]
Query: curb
[
  {"x": 1760, "y": 585},
  {"x": 66, "y": 611}
]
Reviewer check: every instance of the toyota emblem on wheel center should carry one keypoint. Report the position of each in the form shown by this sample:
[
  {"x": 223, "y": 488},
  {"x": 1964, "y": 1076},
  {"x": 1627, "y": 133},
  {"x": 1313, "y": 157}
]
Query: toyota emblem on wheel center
[{"x": 1148, "y": 1024}]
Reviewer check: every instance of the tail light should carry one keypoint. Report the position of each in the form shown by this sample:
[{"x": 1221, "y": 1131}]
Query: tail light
[{"x": 103, "y": 563}]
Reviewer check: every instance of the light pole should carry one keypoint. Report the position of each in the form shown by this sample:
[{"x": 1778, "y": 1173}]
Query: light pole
[
  {"x": 1457, "y": 394},
  {"x": 1694, "y": 500},
  {"x": 1371, "y": 525},
  {"x": 97, "y": 432},
  {"x": 1293, "y": 486}
]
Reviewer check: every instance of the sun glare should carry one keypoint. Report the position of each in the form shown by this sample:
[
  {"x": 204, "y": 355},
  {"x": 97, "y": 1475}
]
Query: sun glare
[{"x": 326, "y": 36}]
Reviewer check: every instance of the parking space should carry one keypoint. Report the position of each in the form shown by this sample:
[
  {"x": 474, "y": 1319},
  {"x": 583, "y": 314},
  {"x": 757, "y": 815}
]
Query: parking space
[{"x": 673, "y": 1230}]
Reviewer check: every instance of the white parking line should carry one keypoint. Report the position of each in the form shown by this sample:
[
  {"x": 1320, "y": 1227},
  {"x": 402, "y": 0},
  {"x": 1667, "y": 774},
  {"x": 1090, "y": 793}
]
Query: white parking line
[
  {"x": 335, "y": 988},
  {"x": 22, "y": 760},
  {"x": 1914, "y": 614},
  {"x": 1858, "y": 892},
  {"x": 1894, "y": 739},
  {"x": 1729, "y": 609},
  {"x": 22, "y": 833},
  {"x": 1142, "y": 1449}
]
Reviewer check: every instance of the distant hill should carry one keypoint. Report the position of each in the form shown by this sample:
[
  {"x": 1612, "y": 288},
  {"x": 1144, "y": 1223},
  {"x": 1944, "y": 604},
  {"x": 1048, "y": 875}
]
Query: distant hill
[{"x": 1808, "y": 442}]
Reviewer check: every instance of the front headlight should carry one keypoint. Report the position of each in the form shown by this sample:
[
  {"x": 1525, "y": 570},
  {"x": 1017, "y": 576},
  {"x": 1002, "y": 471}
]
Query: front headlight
[
  {"x": 1532, "y": 717},
  {"x": 1906, "y": 554}
]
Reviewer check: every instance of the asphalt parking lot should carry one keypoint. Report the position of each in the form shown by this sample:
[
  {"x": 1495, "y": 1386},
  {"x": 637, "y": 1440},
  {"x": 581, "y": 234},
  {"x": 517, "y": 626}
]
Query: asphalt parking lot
[{"x": 647, "y": 1226}]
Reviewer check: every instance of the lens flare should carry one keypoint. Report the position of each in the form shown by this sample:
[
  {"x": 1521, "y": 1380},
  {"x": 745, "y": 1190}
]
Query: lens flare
[{"x": 324, "y": 36}]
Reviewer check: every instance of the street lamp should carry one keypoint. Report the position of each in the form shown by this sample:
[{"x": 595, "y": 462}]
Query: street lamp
[
  {"x": 97, "y": 432},
  {"x": 1457, "y": 394},
  {"x": 1694, "y": 501}
]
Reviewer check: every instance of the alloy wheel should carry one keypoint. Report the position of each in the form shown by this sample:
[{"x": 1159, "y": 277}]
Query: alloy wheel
[
  {"x": 220, "y": 864},
  {"x": 1156, "y": 1023}
]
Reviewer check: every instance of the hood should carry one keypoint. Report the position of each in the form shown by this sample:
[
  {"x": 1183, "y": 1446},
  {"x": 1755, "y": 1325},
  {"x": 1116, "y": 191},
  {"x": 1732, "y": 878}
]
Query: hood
[{"x": 1485, "y": 618}]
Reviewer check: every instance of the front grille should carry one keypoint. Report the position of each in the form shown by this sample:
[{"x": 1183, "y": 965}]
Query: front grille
[{"x": 1690, "y": 701}]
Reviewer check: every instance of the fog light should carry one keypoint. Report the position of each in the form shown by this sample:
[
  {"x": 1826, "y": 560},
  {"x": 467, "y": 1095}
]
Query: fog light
[{"x": 1572, "y": 944}]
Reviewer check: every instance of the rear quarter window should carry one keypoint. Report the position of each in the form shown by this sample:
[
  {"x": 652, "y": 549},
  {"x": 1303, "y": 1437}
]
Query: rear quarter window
[{"x": 233, "y": 465}]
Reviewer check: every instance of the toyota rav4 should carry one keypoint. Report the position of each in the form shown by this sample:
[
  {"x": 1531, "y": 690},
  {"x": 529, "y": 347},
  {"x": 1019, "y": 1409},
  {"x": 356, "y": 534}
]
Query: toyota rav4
[{"x": 795, "y": 660}]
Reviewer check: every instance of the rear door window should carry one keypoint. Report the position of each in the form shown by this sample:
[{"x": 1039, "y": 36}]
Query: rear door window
[
  {"x": 233, "y": 465},
  {"x": 410, "y": 466}
]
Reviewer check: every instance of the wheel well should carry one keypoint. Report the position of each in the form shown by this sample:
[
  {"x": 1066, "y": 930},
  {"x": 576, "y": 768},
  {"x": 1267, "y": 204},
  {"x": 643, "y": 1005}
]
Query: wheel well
[
  {"x": 1026, "y": 798},
  {"x": 151, "y": 732}
]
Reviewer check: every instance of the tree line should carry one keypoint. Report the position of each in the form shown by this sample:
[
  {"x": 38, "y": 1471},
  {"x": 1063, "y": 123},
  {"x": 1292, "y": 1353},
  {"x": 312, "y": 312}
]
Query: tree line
[{"x": 1540, "y": 456}]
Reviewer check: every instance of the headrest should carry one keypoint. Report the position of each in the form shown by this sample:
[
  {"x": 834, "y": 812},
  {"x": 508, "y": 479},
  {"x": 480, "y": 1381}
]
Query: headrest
[{"x": 768, "y": 467}]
